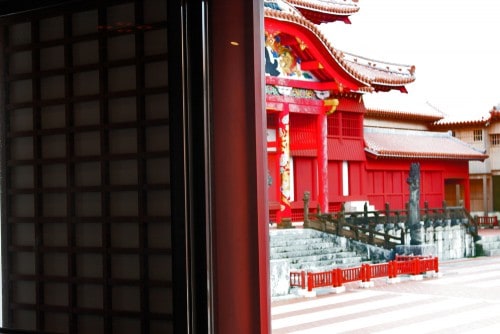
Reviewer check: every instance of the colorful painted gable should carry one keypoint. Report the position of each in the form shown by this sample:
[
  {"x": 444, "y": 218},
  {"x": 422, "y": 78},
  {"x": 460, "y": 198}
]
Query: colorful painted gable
[{"x": 302, "y": 47}]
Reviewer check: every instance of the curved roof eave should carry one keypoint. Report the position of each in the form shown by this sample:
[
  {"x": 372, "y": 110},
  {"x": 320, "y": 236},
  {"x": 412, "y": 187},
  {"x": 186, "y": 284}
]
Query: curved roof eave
[
  {"x": 372, "y": 76},
  {"x": 402, "y": 115},
  {"x": 346, "y": 7},
  {"x": 322, "y": 11}
]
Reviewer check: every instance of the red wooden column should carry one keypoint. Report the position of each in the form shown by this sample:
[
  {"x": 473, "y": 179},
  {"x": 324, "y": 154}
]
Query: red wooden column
[
  {"x": 322, "y": 147},
  {"x": 284, "y": 215},
  {"x": 240, "y": 230},
  {"x": 330, "y": 105}
]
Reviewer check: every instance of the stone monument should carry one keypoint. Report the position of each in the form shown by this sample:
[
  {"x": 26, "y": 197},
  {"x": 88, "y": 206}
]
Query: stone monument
[
  {"x": 417, "y": 245},
  {"x": 414, "y": 205}
]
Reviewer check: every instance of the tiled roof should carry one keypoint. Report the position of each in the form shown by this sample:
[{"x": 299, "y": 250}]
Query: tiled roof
[
  {"x": 409, "y": 144},
  {"x": 380, "y": 72},
  {"x": 461, "y": 122},
  {"x": 351, "y": 150},
  {"x": 394, "y": 105},
  {"x": 449, "y": 124},
  {"x": 465, "y": 121},
  {"x": 338, "y": 7},
  {"x": 320, "y": 11},
  {"x": 370, "y": 73}
]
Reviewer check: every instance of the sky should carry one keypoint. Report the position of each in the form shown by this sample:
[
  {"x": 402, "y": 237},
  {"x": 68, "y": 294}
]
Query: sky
[{"x": 454, "y": 45}]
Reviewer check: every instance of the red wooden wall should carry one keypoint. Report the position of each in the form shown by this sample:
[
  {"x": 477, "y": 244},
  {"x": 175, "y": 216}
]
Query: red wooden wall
[{"x": 386, "y": 181}]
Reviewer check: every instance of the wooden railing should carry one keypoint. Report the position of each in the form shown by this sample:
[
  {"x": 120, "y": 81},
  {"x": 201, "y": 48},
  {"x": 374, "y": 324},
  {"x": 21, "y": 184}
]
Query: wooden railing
[
  {"x": 386, "y": 228},
  {"x": 408, "y": 265},
  {"x": 366, "y": 233}
]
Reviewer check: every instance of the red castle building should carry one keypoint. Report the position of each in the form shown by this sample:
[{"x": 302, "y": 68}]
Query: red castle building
[{"x": 317, "y": 140}]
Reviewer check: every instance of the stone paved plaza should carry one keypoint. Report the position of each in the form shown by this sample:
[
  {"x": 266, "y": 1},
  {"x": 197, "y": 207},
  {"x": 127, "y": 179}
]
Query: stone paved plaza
[{"x": 465, "y": 298}]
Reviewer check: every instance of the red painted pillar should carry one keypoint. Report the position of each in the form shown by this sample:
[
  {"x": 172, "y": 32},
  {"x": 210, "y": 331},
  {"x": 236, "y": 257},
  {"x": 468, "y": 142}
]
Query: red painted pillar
[
  {"x": 285, "y": 211},
  {"x": 322, "y": 147},
  {"x": 240, "y": 230}
]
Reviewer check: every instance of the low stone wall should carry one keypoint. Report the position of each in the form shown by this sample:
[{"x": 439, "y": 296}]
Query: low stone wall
[
  {"x": 279, "y": 272},
  {"x": 367, "y": 252},
  {"x": 447, "y": 242}
]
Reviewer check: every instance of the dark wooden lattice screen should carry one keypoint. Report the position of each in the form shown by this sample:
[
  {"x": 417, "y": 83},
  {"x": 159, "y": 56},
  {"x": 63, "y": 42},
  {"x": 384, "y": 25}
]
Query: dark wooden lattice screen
[{"x": 85, "y": 177}]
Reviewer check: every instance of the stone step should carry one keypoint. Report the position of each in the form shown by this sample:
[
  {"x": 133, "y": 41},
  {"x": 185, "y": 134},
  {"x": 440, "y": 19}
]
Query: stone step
[
  {"x": 290, "y": 242},
  {"x": 492, "y": 252},
  {"x": 324, "y": 257},
  {"x": 293, "y": 254},
  {"x": 490, "y": 238},
  {"x": 303, "y": 245},
  {"x": 326, "y": 264},
  {"x": 490, "y": 244},
  {"x": 310, "y": 250},
  {"x": 294, "y": 232}
]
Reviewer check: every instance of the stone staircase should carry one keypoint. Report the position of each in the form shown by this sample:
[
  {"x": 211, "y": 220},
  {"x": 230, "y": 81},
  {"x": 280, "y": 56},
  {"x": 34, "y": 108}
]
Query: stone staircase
[
  {"x": 310, "y": 250},
  {"x": 489, "y": 245}
]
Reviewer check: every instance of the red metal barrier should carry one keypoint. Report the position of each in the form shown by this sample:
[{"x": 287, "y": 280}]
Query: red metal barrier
[
  {"x": 351, "y": 275},
  {"x": 298, "y": 279},
  {"x": 428, "y": 264},
  {"x": 403, "y": 267},
  {"x": 487, "y": 221},
  {"x": 378, "y": 270},
  {"x": 337, "y": 277},
  {"x": 321, "y": 279},
  {"x": 410, "y": 265}
]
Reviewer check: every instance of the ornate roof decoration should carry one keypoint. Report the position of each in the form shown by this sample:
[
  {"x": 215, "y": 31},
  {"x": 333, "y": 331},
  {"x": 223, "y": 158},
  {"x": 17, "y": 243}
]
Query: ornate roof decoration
[
  {"x": 409, "y": 144},
  {"x": 372, "y": 75},
  {"x": 321, "y": 11}
]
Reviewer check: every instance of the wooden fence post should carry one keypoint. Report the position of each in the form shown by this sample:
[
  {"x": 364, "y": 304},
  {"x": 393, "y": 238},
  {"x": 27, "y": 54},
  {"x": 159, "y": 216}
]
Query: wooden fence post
[
  {"x": 371, "y": 229},
  {"x": 446, "y": 211},
  {"x": 341, "y": 219},
  {"x": 303, "y": 279}
]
